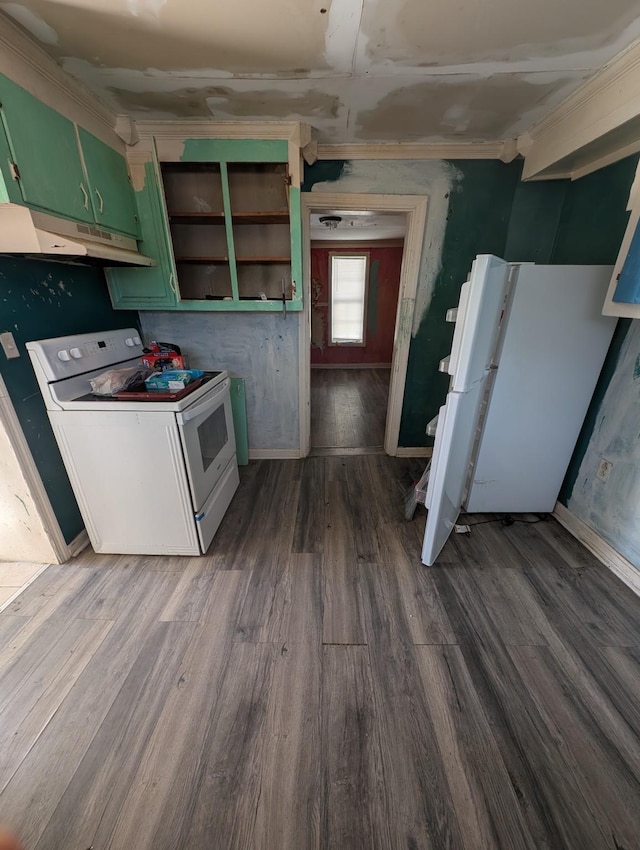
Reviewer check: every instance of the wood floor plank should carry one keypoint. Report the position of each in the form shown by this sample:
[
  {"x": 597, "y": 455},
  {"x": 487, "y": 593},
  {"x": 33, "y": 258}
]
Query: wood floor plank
[
  {"x": 36, "y": 700},
  {"x": 288, "y": 809},
  {"x": 300, "y": 685},
  {"x": 361, "y": 507},
  {"x": 353, "y": 814},
  {"x": 166, "y": 780},
  {"x": 348, "y": 407},
  {"x": 224, "y": 805},
  {"x": 311, "y": 519},
  {"x": 88, "y": 810},
  {"x": 191, "y": 595},
  {"x": 422, "y": 814},
  {"x": 266, "y": 599},
  {"x": 610, "y": 789},
  {"x": 484, "y": 800},
  {"x": 424, "y": 612},
  {"x": 36, "y": 788},
  {"x": 343, "y": 618},
  {"x": 550, "y": 799}
]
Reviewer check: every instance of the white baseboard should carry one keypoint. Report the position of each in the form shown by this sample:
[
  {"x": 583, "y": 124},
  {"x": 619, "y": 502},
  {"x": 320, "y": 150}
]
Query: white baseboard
[
  {"x": 80, "y": 542},
  {"x": 416, "y": 451},
  {"x": 336, "y": 451},
  {"x": 351, "y": 365},
  {"x": 19, "y": 590},
  {"x": 604, "y": 551},
  {"x": 273, "y": 454}
]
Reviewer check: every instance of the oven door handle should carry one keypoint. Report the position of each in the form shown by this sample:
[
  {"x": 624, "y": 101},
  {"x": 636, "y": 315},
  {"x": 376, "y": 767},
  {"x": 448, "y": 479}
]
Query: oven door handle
[{"x": 207, "y": 404}]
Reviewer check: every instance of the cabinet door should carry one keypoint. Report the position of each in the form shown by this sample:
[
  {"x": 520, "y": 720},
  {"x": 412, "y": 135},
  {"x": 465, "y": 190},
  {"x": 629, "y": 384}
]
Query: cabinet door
[
  {"x": 111, "y": 193},
  {"x": 44, "y": 146},
  {"x": 154, "y": 287}
]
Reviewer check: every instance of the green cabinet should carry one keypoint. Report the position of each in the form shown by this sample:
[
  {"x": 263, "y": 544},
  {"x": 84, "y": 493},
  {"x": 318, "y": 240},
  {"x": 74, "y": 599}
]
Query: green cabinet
[
  {"x": 44, "y": 148},
  {"x": 151, "y": 288},
  {"x": 111, "y": 194},
  {"x": 57, "y": 167},
  {"x": 223, "y": 224}
]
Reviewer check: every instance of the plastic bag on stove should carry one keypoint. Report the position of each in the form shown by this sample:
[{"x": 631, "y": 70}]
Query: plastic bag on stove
[{"x": 116, "y": 380}]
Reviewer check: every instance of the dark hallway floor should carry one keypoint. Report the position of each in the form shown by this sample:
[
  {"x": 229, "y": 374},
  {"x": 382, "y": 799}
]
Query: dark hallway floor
[{"x": 348, "y": 407}]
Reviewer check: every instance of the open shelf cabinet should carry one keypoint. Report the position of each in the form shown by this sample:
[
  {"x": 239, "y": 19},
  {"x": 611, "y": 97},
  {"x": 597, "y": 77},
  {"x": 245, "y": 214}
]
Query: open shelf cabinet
[{"x": 235, "y": 230}]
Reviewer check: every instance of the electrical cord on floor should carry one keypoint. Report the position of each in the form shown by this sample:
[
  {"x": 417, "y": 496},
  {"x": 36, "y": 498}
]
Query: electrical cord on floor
[{"x": 508, "y": 520}]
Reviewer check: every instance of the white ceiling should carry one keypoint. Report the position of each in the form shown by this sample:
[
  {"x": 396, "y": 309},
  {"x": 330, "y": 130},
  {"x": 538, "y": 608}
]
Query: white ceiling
[
  {"x": 364, "y": 70},
  {"x": 358, "y": 226}
]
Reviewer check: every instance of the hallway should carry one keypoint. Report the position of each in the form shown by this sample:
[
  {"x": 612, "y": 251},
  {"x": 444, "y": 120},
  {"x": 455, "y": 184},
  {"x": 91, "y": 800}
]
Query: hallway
[{"x": 348, "y": 407}]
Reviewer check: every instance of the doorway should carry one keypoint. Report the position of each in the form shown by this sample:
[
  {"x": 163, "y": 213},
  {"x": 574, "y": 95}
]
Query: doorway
[
  {"x": 356, "y": 259},
  {"x": 362, "y": 257}
]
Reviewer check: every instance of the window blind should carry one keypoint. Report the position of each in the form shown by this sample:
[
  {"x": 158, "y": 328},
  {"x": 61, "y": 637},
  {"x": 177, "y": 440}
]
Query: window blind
[{"x": 348, "y": 296}]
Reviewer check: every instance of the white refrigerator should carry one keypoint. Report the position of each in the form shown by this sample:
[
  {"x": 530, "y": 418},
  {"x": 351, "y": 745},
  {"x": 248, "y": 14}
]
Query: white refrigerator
[{"x": 528, "y": 346}]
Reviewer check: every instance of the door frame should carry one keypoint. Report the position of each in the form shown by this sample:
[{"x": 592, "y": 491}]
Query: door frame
[
  {"x": 415, "y": 207},
  {"x": 62, "y": 550}
]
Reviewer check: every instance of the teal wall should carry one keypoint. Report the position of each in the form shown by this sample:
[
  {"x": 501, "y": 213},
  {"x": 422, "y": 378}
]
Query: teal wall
[
  {"x": 479, "y": 196},
  {"x": 478, "y": 223},
  {"x": 591, "y": 227},
  {"x": 491, "y": 211},
  {"x": 38, "y": 300}
]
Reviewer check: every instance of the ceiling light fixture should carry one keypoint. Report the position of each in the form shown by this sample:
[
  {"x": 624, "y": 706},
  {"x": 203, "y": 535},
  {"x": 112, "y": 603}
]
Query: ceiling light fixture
[{"x": 330, "y": 221}]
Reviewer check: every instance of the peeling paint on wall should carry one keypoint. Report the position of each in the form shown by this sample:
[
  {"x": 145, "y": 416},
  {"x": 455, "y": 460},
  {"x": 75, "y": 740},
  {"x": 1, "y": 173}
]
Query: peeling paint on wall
[
  {"x": 262, "y": 348},
  {"x": 612, "y": 507},
  {"x": 434, "y": 178}
]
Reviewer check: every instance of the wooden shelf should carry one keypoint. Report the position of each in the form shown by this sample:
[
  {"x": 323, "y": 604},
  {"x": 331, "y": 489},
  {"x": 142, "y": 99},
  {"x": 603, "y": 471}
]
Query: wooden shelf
[
  {"x": 275, "y": 217},
  {"x": 268, "y": 217},
  {"x": 263, "y": 260},
  {"x": 202, "y": 259},
  {"x": 238, "y": 259},
  {"x": 196, "y": 218}
]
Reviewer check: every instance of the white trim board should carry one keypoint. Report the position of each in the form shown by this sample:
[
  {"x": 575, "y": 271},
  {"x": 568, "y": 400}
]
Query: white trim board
[
  {"x": 596, "y": 125},
  {"x": 415, "y": 207},
  {"x": 274, "y": 454},
  {"x": 24, "y": 62},
  {"x": 604, "y": 552},
  {"x": 351, "y": 365},
  {"x": 503, "y": 150},
  {"x": 414, "y": 451},
  {"x": 79, "y": 543},
  {"x": 22, "y": 587},
  {"x": 32, "y": 476}
]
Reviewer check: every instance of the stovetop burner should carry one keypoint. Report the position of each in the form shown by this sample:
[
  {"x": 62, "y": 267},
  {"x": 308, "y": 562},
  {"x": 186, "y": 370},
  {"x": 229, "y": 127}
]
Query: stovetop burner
[{"x": 151, "y": 395}]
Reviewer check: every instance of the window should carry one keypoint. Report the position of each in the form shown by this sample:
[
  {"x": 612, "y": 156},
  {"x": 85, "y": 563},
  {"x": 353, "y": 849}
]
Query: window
[{"x": 349, "y": 276}]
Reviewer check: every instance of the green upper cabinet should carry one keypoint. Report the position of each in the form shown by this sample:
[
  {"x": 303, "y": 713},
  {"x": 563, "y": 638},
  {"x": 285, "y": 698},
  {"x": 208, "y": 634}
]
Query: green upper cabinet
[
  {"x": 52, "y": 165},
  {"x": 223, "y": 225},
  {"x": 147, "y": 288},
  {"x": 44, "y": 147},
  {"x": 110, "y": 190}
]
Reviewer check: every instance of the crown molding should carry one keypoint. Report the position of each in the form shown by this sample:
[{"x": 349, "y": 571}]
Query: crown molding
[
  {"x": 28, "y": 65},
  {"x": 560, "y": 142},
  {"x": 180, "y": 129},
  {"x": 505, "y": 151}
]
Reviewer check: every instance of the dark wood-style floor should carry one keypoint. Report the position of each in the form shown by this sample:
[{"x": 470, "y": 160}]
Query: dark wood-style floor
[
  {"x": 348, "y": 407},
  {"x": 308, "y": 684}
]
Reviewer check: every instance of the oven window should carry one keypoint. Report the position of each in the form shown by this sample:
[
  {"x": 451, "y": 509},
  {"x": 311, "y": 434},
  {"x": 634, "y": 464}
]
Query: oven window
[{"x": 213, "y": 436}]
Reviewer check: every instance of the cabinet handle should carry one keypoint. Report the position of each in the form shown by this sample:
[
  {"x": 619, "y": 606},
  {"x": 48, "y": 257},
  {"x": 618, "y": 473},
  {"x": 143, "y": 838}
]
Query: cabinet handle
[
  {"x": 172, "y": 283},
  {"x": 100, "y": 202},
  {"x": 85, "y": 203}
]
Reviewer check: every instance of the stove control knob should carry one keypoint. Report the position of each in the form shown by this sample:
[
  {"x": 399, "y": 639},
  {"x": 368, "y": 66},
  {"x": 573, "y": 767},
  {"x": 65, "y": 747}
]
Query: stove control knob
[
  {"x": 129, "y": 341},
  {"x": 64, "y": 355},
  {"x": 75, "y": 353},
  {"x": 137, "y": 340}
]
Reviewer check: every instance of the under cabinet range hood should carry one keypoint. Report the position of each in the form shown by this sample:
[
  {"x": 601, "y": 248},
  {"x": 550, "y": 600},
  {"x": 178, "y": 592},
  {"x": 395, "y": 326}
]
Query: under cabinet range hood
[{"x": 25, "y": 231}]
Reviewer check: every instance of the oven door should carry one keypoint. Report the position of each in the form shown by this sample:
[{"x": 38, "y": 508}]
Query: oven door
[{"x": 208, "y": 441}]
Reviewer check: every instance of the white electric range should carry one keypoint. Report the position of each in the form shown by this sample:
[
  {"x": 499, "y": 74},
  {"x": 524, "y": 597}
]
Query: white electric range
[{"x": 151, "y": 477}]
